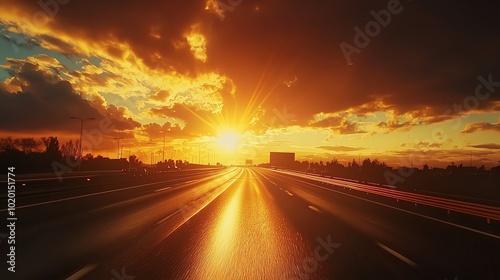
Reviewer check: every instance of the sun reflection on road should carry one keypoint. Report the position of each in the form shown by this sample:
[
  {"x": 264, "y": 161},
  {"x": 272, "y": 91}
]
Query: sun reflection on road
[{"x": 248, "y": 240}]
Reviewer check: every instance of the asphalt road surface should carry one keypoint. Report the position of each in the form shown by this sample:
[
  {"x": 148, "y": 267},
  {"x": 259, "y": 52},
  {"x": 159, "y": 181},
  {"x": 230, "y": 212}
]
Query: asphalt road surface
[{"x": 240, "y": 223}]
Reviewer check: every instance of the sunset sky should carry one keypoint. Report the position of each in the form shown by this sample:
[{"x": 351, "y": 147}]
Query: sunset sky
[{"x": 240, "y": 78}]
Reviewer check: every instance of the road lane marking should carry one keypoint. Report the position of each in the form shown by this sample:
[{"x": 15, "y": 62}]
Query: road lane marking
[
  {"x": 94, "y": 194},
  {"x": 202, "y": 197},
  {"x": 484, "y": 211},
  {"x": 51, "y": 179},
  {"x": 82, "y": 272},
  {"x": 120, "y": 203},
  {"x": 164, "y": 189},
  {"x": 168, "y": 217},
  {"x": 403, "y": 210},
  {"x": 314, "y": 208},
  {"x": 397, "y": 255},
  {"x": 85, "y": 195},
  {"x": 192, "y": 181},
  {"x": 289, "y": 193},
  {"x": 205, "y": 202}
]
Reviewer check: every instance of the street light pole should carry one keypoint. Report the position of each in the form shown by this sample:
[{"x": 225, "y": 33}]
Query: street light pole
[
  {"x": 151, "y": 143},
  {"x": 81, "y": 134},
  {"x": 129, "y": 158},
  {"x": 118, "y": 139},
  {"x": 163, "y": 151}
]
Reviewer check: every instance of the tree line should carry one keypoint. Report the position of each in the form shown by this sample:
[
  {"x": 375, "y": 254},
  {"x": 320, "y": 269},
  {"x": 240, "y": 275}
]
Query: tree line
[
  {"x": 30, "y": 154},
  {"x": 454, "y": 179}
]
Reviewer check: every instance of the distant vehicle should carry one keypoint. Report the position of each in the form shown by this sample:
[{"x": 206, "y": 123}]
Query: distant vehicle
[
  {"x": 174, "y": 168},
  {"x": 136, "y": 172}
]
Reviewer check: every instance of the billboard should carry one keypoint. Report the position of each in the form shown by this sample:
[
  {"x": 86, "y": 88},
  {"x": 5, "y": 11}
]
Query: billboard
[{"x": 281, "y": 159}]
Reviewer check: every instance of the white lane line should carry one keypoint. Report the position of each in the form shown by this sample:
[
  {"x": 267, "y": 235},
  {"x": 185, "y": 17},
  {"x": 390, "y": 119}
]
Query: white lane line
[
  {"x": 289, "y": 193},
  {"x": 85, "y": 195},
  {"x": 314, "y": 208},
  {"x": 192, "y": 181},
  {"x": 94, "y": 194},
  {"x": 168, "y": 217},
  {"x": 164, "y": 189},
  {"x": 397, "y": 255},
  {"x": 50, "y": 178},
  {"x": 228, "y": 183},
  {"x": 82, "y": 272},
  {"x": 124, "y": 202},
  {"x": 406, "y": 211}
]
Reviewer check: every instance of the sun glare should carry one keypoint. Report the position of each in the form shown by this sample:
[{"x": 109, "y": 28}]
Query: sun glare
[{"x": 228, "y": 140}]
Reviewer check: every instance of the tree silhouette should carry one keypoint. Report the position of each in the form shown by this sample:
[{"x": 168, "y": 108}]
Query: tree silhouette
[
  {"x": 52, "y": 148},
  {"x": 28, "y": 145}
]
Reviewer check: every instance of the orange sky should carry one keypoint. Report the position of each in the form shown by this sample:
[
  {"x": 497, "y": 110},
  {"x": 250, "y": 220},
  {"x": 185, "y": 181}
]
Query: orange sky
[{"x": 234, "y": 80}]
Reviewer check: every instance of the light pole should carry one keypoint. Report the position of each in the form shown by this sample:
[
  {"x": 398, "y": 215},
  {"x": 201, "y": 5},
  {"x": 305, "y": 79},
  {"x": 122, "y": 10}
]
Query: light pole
[
  {"x": 208, "y": 153},
  {"x": 187, "y": 151},
  {"x": 151, "y": 143},
  {"x": 118, "y": 139},
  {"x": 129, "y": 158},
  {"x": 163, "y": 151},
  {"x": 81, "y": 134}
]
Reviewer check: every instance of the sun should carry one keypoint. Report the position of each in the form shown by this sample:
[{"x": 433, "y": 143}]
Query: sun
[{"x": 228, "y": 140}]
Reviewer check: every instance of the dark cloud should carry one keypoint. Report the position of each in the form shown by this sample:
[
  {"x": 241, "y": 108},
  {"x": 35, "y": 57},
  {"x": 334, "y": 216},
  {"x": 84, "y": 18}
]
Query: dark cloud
[
  {"x": 161, "y": 95},
  {"x": 61, "y": 46},
  {"x": 339, "y": 124},
  {"x": 196, "y": 122},
  {"x": 27, "y": 42},
  {"x": 131, "y": 23},
  {"x": 341, "y": 148},
  {"x": 436, "y": 68},
  {"x": 490, "y": 146},
  {"x": 422, "y": 145},
  {"x": 117, "y": 115},
  {"x": 395, "y": 125},
  {"x": 429, "y": 56},
  {"x": 482, "y": 126},
  {"x": 46, "y": 103},
  {"x": 154, "y": 131}
]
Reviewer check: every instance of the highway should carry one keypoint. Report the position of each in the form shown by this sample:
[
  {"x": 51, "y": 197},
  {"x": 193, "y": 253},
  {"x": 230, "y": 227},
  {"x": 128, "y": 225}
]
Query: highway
[{"x": 245, "y": 223}]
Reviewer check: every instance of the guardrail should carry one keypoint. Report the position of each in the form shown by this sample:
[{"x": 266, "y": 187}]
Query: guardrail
[{"x": 479, "y": 210}]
